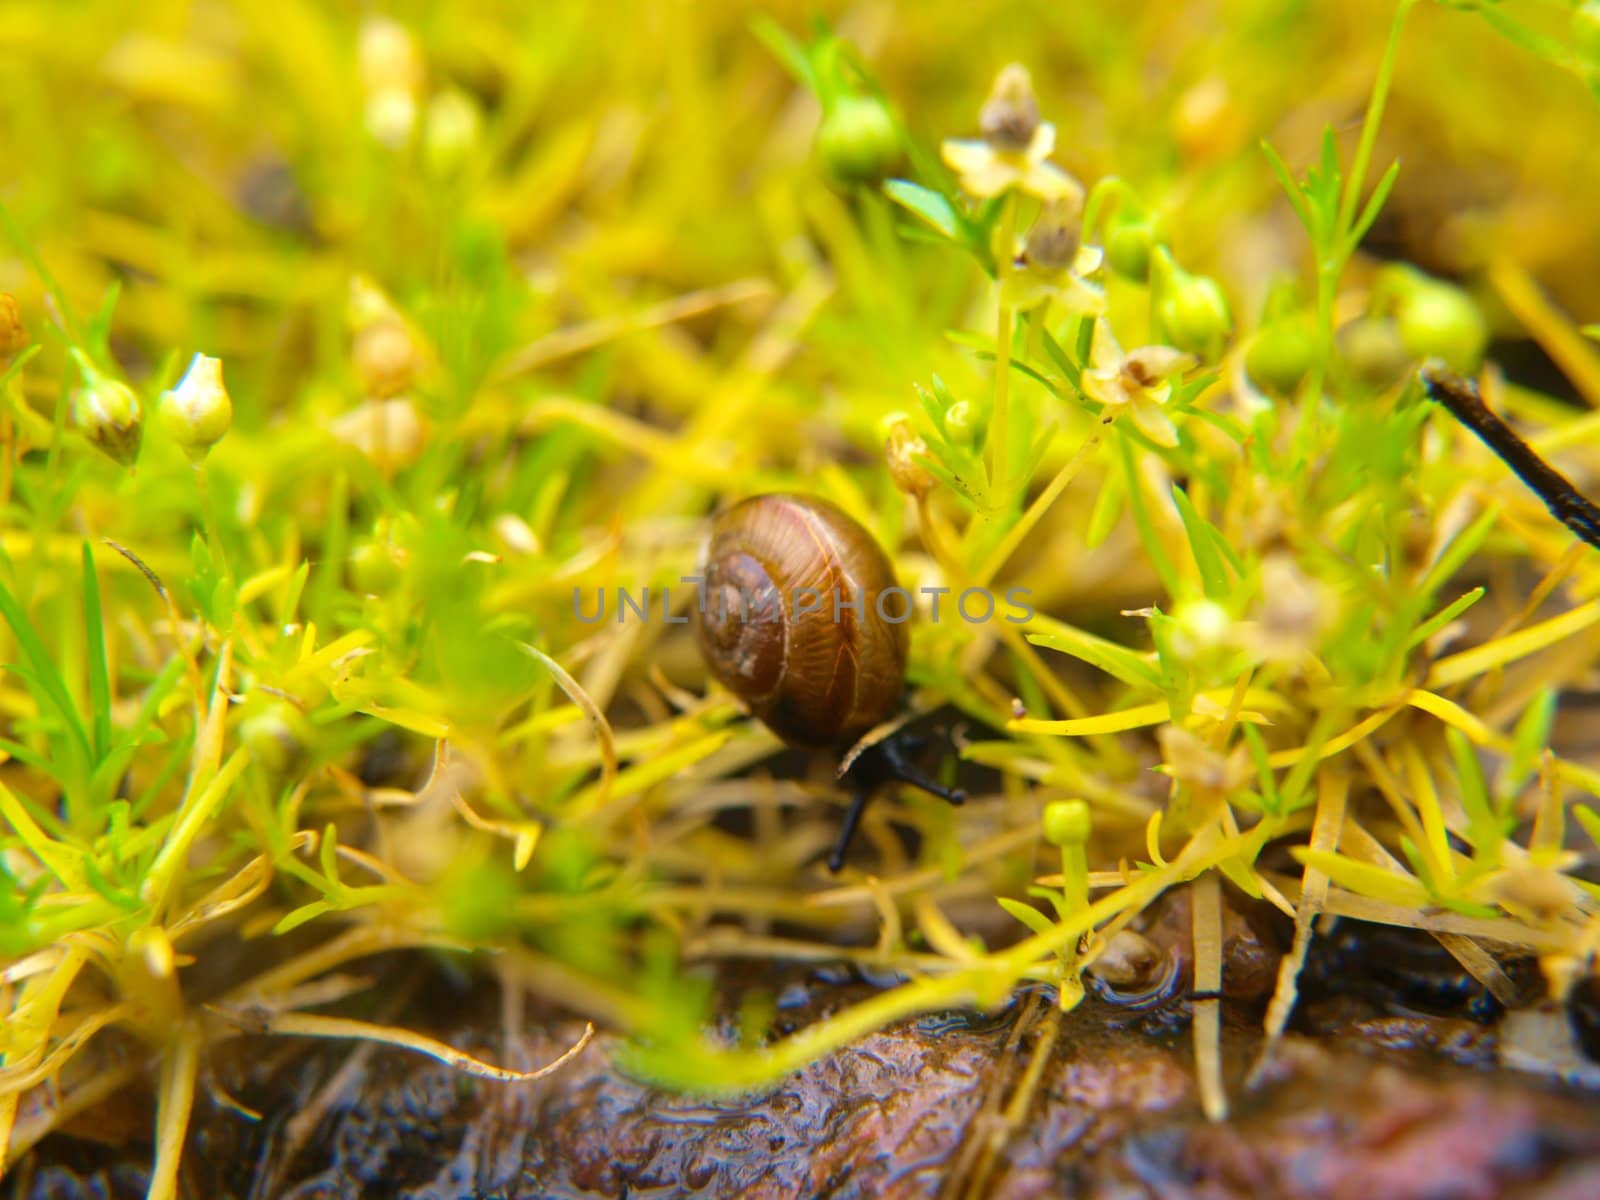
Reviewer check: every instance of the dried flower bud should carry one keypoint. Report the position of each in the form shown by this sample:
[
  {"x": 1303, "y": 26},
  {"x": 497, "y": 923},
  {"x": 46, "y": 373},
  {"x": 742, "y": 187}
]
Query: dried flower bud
[
  {"x": 389, "y": 432},
  {"x": 902, "y": 452},
  {"x": 1295, "y": 611},
  {"x": 107, "y": 412},
  {"x": 1052, "y": 243},
  {"x": 1067, "y": 823},
  {"x": 13, "y": 334},
  {"x": 1011, "y": 114},
  {"x": 857, "y": 140},
  {"x": 386, "y": 360},
  {"x": 1534, "y": 893},
  {"x": 1192, "y": 761},
  {"x": 197, "y": 412}
]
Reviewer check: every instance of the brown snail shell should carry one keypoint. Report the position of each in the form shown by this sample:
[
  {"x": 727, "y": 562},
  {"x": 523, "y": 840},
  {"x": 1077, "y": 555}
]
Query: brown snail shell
[{"x": 821, "y": 677}]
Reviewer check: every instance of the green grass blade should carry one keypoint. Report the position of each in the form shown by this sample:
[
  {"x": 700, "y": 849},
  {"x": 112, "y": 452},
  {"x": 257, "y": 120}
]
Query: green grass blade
[
  {"x": 1159, "y": 558},
  {"x": 1124, "y": 664},
  {"x": 1203, "y": 539},
  {"x": 99, "y": 666},
  {"x": 42, "y": 671},
  {"x": 926, "y": 204},
  {"x": 1444, "y": 616}
]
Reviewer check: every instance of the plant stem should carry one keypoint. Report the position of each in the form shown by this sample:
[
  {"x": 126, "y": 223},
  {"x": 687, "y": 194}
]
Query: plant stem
[
  {"x": 208, "y": 511},
  {"x": 1112, "y": 188},
  {"x": 1335, "y": 252},
  {"x": 180, "y": 1067},
  {"x": 1000, "y": 425},
  {"x": 1369, "y": 125},
  {"x": 1041, "y": 505}
]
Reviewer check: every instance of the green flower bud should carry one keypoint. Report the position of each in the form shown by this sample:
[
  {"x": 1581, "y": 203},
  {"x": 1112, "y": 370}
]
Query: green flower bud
[
  {"x": 1586, "y": 33},
  {"x": 1195, "y": 315},
  {"x": 275, "y": 733},
  {"x": 1370, "y": 347},
  {"x": 1129, "y": 243},
  {"x": 1281, "y": 352},
  {"x": 858, "y": 141},
  {"x": 1284, "y": 299},
  {"x": 107, "y": 412},
  {"x": 450, "y": 131},
  {"x": 197, "y": 412},
  {"x": 1200, "y": 629},
  {"x": 1439, "y": 320},
  {"x": 13, "y": 334},
  {"x": 375, "y": 566},
  {"x": 963, "y": 423},
  {"x": 366, "y": 304},
  {"x": 1066, "y": 822}
]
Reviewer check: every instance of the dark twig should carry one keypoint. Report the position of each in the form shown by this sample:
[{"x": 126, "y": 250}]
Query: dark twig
[{"x": 1565, "y": 502}]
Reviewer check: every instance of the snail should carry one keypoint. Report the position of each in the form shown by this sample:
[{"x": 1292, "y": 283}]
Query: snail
[{"x": 802, "y": 619}]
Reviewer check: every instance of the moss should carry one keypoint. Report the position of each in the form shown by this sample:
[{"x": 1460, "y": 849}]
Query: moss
[{"x": 507, "y": 303}]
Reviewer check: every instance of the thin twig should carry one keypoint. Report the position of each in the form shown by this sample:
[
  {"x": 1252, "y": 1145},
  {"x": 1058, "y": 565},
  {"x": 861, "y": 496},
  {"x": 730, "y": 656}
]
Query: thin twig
[{"x": 1565, "y": 502}]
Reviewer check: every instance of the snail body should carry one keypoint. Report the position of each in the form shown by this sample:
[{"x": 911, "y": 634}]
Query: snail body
[
  {"x": 793, "y": 620},
  {"x": 797, "y": 620}
]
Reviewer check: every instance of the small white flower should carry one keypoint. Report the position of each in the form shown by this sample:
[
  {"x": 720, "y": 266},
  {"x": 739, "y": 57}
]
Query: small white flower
[
  {"x": 451, "y": 131},
  {"x": 1014, "y": 147},
  {"x": 987, "y": 170},
  {"x": 1054, "y": 264},
  {"x": 388, "y": 56},
  {"x": 1139, "y": 381},
  {"x": 392, "y": 71},
  {"x": 391, "y": 115}
]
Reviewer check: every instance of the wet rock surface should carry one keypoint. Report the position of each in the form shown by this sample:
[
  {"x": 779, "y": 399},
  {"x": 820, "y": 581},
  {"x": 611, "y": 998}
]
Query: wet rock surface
[{"x": 1394, "y": 1091}]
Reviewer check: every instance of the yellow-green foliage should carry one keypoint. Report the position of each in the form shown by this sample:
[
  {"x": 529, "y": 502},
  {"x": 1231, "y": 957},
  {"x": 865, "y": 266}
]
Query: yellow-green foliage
[{"x": 508, "y": 297}]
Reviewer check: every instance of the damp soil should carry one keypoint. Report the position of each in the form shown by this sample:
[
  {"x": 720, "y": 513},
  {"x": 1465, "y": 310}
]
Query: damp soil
[{"x": 1401, "y": 1078}]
